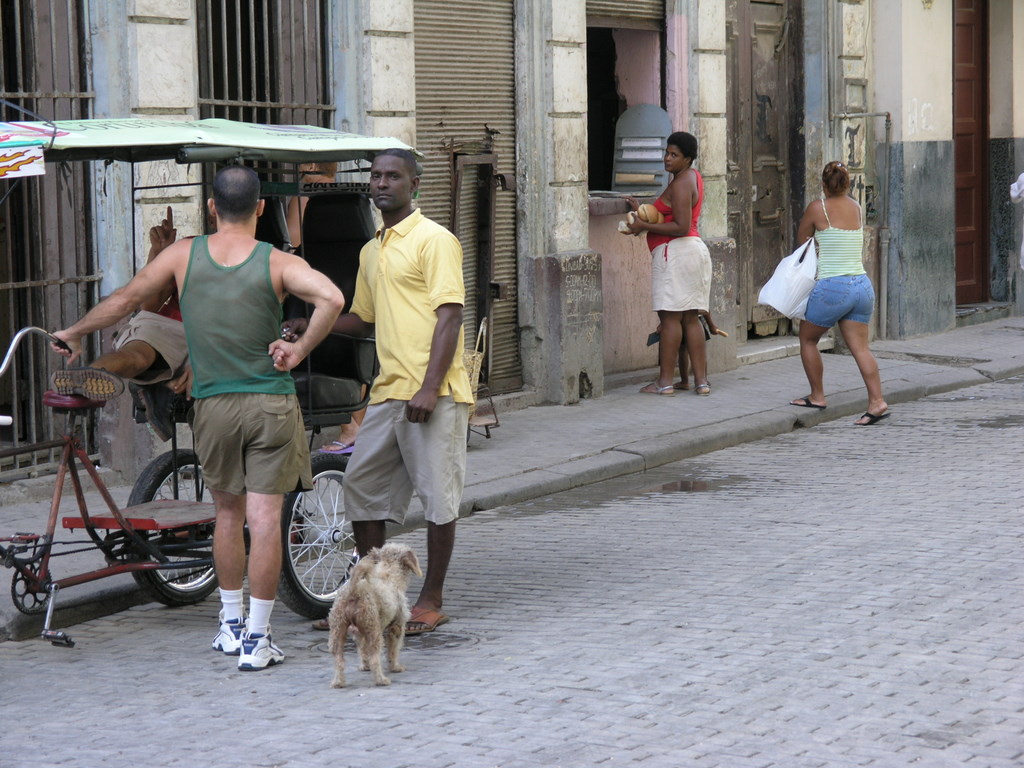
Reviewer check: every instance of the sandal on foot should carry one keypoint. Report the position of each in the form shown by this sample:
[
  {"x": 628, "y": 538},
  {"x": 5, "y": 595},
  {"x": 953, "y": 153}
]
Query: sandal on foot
[
  {"x": 681, "y": 386},
  {"x": 654, "y": 389},
  {"x": 93, "y": 383},
  {"x": 337, "y": 446},
  {"x": 423, "y": 620},
  {"x": 321, "y": 625},
  {"x": 872, "y": 419},
  {"x": 702, "y": 389},
  {"x": 805, "y": 402}
]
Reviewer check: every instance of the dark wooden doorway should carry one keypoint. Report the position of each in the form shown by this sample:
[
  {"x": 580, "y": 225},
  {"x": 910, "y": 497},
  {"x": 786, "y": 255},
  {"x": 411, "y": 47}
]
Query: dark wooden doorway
[
  {"x": 970, "y": 149},
  {"x": 760, "y": 109}
]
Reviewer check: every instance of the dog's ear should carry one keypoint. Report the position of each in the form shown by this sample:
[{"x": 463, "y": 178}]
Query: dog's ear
[{"x": 410, "y": 563}]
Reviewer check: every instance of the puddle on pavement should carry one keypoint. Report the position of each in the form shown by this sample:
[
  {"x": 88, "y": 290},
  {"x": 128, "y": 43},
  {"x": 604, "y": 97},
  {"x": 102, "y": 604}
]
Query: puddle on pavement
[
  {"x": 691, "y": 485},
  {"x": 924, "y": 357},
  {"x": 1002, "y": 422}
]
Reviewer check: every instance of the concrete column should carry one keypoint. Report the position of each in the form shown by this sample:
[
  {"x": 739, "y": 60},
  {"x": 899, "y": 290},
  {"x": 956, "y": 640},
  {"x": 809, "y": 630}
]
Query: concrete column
[
  {"x": 144, "y": 65},
  {"x": 560, "y": 307},
  {"x": 388, "y": 64},
  {"x": 913, "y": 80}
]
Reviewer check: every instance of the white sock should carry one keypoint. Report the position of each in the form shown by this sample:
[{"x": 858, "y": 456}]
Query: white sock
[
  {"x": 231, "y": 604},
  {"x": 259, "y": 615}
]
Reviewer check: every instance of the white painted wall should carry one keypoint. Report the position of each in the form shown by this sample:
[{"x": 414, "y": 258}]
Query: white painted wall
[{"x": 927, "y": 70}]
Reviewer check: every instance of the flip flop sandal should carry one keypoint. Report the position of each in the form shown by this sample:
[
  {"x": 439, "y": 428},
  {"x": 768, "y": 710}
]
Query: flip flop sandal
[
  {"x": 654, "y": 389},
  {"x": 702, "y": 389},
  {"x": 872, "y": 419},
  {"x": 805, "y": 402},
  {"x": 340, "y": 447},
  {"x": 428, "y": 618}
]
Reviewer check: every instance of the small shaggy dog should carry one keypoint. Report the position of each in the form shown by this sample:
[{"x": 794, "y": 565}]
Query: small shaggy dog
[{"x": 372, "y": 602}]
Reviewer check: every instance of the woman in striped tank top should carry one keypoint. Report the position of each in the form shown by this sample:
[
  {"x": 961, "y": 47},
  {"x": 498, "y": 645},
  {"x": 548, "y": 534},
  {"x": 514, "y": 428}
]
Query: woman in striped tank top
[{"x": 843, "y": 294}]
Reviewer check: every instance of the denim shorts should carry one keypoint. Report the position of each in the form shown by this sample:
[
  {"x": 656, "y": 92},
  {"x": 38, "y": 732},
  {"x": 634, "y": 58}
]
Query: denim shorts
[{"x": 845, "y": 297}]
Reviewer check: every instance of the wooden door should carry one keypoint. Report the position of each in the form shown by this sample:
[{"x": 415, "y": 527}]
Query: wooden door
[
  {"x": 970, "y": 149},
  {"x": 759, "y": 119}
]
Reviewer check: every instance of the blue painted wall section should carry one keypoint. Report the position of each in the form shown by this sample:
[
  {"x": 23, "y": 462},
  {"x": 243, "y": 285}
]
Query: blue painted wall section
[{"x": 922, "y": 275}]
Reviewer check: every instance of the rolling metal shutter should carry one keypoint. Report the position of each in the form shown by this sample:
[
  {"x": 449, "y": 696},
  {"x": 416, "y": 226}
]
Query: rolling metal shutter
[
  {"x": 644, "y": 12},
  {"x": 465, "y": 103}
]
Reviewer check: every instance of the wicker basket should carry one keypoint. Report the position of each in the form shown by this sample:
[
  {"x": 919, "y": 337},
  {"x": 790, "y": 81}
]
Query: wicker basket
[{"x": 473, "y": 360}]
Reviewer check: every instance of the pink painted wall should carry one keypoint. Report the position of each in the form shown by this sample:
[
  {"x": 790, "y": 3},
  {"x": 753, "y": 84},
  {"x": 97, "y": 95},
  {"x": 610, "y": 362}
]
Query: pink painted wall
[
  {"x": 625, "y": 289},
  {"x": 638, "y": 65}
]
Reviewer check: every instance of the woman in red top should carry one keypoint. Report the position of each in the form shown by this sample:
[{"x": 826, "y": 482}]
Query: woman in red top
[{"x": 680, "y": 266}]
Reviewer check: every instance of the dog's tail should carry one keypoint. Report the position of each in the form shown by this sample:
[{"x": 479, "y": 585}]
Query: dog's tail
[{"x": 360, "y": 571}]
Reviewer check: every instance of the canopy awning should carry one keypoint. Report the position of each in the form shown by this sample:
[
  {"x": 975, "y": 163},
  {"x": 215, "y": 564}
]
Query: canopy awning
[{"x": 210, "y": 140}]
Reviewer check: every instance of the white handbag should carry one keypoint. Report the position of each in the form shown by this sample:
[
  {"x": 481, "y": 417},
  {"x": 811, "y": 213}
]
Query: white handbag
[{"x": 788, "y": 288}]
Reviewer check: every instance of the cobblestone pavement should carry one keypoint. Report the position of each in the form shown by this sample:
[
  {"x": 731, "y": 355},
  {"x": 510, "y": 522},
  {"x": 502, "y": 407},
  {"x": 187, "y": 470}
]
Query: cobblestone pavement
[{"x": 834, "y": 596}]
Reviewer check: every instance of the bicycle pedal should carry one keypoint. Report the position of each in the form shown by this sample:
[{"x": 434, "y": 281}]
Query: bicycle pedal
[{"x": 58, "y": 638}]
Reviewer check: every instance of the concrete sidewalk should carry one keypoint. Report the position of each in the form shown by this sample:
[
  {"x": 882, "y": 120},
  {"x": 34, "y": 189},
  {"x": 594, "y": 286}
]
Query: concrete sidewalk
[{"x": 545, "y": 449}]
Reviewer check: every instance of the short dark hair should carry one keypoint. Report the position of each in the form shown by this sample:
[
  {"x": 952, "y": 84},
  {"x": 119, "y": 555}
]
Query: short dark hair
[
  {"x": 236, "y": 192},
  {"x": 835, "y": 178},
  {"x": 415, "y": 169},
  {"x": 686, "y": 142}
]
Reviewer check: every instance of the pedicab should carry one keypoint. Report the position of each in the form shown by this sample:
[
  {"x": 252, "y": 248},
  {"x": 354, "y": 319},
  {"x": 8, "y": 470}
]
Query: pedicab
[{"x": 163, "y": 537}]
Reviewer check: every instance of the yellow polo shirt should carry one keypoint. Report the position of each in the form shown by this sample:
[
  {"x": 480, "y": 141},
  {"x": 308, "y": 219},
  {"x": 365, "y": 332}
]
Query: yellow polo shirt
[{"x": 405, "y": 273}]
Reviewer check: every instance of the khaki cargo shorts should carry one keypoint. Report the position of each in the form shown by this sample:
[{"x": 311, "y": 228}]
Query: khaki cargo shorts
[
  {"x": 165, "y": 335},
  {"x": 251, "y": 442},
  {"x": 394, "y": 457}
]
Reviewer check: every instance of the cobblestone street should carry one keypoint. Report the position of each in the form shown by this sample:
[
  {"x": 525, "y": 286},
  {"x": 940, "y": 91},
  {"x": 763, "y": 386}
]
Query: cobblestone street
[{"x": 835, "y": 596}]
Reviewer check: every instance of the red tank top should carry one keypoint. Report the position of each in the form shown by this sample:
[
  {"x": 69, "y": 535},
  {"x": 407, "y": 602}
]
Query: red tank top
[{"x": 654, "y": 240}]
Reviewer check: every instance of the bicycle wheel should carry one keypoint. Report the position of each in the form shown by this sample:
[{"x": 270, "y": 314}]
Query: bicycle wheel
[
  {"x": 317, "y": 540},
  {"x": 186, "y": 586}
]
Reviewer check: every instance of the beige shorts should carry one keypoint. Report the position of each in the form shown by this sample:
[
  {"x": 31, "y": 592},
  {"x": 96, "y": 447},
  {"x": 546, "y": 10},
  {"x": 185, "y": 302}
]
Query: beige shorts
[
  {"x": 681, "y": 275},
  {"x": 250, "y": 442},
  {"x": 165, "y": 335},
  {"x": 393, "y": 457}
]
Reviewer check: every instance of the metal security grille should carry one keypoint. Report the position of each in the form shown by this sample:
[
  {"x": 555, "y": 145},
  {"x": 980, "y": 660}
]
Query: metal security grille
[
  {"x": 465, "y": 112},
  {"x": 645, "y": 14},
  {"x": 47, "y": 275},
  {"x": 264, "y": 61}
]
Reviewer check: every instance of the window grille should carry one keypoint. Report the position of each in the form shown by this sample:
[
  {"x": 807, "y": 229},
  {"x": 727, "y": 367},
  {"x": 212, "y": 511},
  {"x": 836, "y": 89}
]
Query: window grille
[
  {"x": 264, "y": 61},
  {"x": 48, "y": 277}
]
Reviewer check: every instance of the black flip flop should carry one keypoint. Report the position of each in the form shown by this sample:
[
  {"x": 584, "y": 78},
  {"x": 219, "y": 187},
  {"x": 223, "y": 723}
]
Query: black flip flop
[
  {"x": 872, "y": 419},
  {"x": 805, "y": 402}
]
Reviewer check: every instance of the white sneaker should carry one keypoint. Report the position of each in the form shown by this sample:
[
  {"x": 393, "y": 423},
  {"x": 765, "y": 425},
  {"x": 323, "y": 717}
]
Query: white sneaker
[
  {"x": 229, "y": 638},
  {"x": 258, "y": 652}
]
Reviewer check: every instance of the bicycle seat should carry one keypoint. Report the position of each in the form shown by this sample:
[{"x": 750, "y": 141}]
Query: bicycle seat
[{"x": 62, "y": 403}]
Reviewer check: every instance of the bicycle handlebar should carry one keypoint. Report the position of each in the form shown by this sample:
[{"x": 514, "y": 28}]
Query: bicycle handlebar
[{"x": 17, "y": 340}]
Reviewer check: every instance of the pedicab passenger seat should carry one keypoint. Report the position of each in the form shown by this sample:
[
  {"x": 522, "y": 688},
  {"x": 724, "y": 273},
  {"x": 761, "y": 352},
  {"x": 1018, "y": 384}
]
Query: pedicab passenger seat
[{"x": 330, "y": 388}]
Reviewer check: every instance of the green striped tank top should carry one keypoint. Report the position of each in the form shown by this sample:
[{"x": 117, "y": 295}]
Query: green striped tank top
[
  {"x": 231, "y": 316},
  {"x": 840, "y": 251}
]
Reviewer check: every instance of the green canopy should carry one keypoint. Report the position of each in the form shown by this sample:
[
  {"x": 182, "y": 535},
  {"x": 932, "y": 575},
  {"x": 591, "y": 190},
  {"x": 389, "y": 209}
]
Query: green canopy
[{"x": 211, "y": 140}]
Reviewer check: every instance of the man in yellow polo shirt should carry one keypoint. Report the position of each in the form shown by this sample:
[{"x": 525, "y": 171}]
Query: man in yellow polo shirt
[{"x": 410, "y": 294}]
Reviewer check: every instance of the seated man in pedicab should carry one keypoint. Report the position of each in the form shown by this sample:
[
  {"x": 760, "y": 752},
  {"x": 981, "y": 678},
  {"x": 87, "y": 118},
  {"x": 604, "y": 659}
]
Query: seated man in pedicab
[{"x": 150, "y": 351}]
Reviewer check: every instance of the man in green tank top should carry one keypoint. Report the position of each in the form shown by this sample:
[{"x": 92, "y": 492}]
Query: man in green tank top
[{"x": 249, "y": 433}]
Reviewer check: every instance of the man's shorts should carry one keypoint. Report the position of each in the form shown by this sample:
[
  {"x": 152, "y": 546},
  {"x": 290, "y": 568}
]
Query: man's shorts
[
  {"x": 251, "y": 442},
  {"x": 393, "y": 457},
  {"x": 846, "y": 297},
  {"x": 165, "y": 335}
]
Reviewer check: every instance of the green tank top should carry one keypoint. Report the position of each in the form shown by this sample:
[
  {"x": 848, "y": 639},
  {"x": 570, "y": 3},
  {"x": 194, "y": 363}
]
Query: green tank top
[
  {"x": 840, "y": 251},
  {"x": 231, "y": 316}
]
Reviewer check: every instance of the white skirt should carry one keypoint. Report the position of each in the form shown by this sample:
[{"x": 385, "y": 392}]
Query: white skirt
[{"x": 681, "y": 275}]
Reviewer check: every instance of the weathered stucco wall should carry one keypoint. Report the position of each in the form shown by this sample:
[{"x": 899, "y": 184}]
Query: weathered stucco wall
[{"x": 921, "y": 255}]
